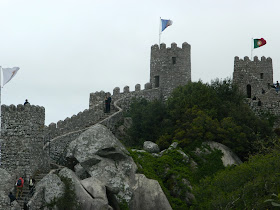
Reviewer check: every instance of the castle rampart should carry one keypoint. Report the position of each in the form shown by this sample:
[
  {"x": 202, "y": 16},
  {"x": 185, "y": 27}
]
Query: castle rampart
[
  {"x": 97, "y": 99},
  {"x": 22, "y": 139},
  {"x": 77, "y": 122},
  {"x": 173, "y": 65}
]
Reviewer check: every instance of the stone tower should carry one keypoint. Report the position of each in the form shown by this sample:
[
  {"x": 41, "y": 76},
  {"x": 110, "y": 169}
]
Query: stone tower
[
  {"x": 253, "y": 77},
  {"x": 170, "y": 67},
  {"x": 22, "y": 140}
]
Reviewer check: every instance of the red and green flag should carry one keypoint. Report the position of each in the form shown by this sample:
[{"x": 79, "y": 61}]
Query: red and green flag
[{"x": 259, "y": 42}]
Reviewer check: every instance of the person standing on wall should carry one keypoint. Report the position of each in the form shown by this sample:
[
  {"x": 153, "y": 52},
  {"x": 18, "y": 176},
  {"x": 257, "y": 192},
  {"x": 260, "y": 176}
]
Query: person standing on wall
[
  {"x": 106, "y": 104},
  {"x": 277, "y": 87},
  {"x": 26, "y": 102},
  {"x": 109, "y": 102}
]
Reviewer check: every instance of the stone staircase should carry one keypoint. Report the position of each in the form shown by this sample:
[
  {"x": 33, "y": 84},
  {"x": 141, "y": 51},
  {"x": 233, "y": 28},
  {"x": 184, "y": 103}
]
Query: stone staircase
[{"x": 26, "y": 195}]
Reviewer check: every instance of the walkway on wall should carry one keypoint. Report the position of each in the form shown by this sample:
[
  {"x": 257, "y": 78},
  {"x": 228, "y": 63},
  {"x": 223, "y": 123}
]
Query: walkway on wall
[
  {"x": 108, "y": 120},
  {"x": 26, "y": 193}
]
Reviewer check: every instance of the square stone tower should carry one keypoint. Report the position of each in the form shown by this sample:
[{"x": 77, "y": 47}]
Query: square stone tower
[
  {"x": 253, "y": 77},
  {"x": 170, "y": 67}
]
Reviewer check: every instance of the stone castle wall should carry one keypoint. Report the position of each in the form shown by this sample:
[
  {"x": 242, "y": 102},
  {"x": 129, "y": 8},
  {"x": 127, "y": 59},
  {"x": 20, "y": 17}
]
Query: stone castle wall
[
  {"x": 258, "y": 74},
  {"x": 59, "y": 139},
  {"x": 77, "y": 122},
  {"x": 22, "y": 139},
  {"x": 172, "y": 66},
  {"x": 254, "y": 76}
]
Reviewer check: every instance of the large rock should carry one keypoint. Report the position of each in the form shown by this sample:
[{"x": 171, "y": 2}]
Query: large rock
[
  {"x": 49, "y": 188},
  {"x": 6, "y": 184},
  {"x": 229, "y": 157},
  {"x": 91, "y": 197},
  {"x": 103, "y": 157},
  {"x": 147, "y": 195},
  {"x": 150, "y": 147}
]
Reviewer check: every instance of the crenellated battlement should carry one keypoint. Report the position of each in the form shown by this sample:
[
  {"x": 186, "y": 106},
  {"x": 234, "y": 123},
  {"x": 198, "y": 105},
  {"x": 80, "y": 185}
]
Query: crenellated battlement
[
  {"x": 77, "y": 122},
  {"x": 162, "y": 48},
  {"x": 240, "y": 64},
  {"x": 21, "y": 108},
  {"x": 97, "y": 99}
]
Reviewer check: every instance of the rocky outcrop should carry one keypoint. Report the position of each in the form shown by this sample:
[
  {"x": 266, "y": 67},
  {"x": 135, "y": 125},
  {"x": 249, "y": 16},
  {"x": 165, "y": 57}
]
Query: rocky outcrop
[
  {"x": 6, "y": 185},
  {"x": 103, "y": 176},
  {"x": 148, "y": 195},
  {"x": 48, "y": 189},
  {"x": 229, "y": 157},
  {"x": 91, "y": 193},
  {"x": 151, "y": 147},
  {"x": 98, "y": 153}
]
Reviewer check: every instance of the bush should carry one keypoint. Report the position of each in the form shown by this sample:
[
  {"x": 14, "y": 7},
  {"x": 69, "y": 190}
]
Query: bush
[{"x": 246, "y": 186}]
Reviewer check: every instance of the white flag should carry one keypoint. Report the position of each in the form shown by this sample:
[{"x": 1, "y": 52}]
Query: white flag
[{"x": 8, "y": 74}]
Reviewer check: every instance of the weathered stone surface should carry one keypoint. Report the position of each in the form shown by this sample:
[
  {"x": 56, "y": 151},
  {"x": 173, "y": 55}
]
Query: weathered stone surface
[
  {"x": 95, "y": 188},
  {"x": 81, "y": 172},
  {"x": 87, "y": 200},
  {"x": 6, "y": 184},
  {"x": 112, "y": 166},
  {"x": 229, "y": 158},
  {"x": 6, "y": 181},
  {"x": 15, "y": 206},
  {"x": 150, "y": 147},
  {"x": 46, "y": 190},
  {"x": 147, "y": 195},
  {"x": 22, "y": 139}
]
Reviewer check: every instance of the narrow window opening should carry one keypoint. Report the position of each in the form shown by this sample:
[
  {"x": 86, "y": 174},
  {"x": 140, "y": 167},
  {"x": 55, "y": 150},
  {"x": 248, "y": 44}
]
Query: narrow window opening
[
  {"x": 174, "y": 60},
  {"x": 156, "y": 81},
  {"x": 261, "y": 75},
  {"x": 248, "y": 91}
]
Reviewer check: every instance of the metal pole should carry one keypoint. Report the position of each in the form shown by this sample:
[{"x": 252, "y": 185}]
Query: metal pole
[
  {"x": 160, "y": 28},
  {"x": 0, "y": 117},
  {"x": 252, "y": 41}
]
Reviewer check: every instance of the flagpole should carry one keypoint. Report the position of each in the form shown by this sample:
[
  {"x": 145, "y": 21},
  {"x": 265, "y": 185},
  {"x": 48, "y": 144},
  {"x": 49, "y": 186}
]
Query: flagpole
[
  {"x": 159, "y": 30},
  {"x": 252, "y": 48},
  {"x": 0, "y": 116},
  {"x": 0, "y": 101}
]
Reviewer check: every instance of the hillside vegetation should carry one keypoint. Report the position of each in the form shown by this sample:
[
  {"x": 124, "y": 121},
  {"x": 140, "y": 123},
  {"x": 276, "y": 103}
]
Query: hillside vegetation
[{"x": 197, "y": 113}]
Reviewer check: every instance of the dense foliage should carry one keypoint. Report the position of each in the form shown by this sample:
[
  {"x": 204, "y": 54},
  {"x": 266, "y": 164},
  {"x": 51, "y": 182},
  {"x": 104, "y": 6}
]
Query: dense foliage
[
  {"x": 247, "y": 186},
  {"x": 201, "y": 112},
  {"x": 174, "y": 172},
  {"x": 197, "y": 113}
]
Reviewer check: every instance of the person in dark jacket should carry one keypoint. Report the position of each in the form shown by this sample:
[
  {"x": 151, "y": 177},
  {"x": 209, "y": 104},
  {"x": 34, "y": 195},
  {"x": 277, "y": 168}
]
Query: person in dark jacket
[
  {"x": 26, "y": 102},
  {"x": 109, "y": 99},
  {"x": 12, "y": 197}
]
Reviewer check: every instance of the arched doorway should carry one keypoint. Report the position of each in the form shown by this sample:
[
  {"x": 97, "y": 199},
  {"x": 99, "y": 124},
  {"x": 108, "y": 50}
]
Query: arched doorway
[{"x": 248, "y": 91}]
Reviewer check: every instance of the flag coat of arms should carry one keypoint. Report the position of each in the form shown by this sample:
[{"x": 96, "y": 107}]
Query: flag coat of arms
[{"x": 259, "y": 42}]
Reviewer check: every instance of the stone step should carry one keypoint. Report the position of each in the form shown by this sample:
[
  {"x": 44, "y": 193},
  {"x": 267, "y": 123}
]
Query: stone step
[{"x": 26, "y": 191}]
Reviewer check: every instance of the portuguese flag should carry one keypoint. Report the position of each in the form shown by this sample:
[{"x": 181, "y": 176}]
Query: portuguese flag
[{"x": 259, "y": 42}]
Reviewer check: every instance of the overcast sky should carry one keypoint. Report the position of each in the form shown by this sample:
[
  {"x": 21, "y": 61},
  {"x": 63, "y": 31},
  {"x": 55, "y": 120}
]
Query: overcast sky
[{"x": 67, "y": 49}]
